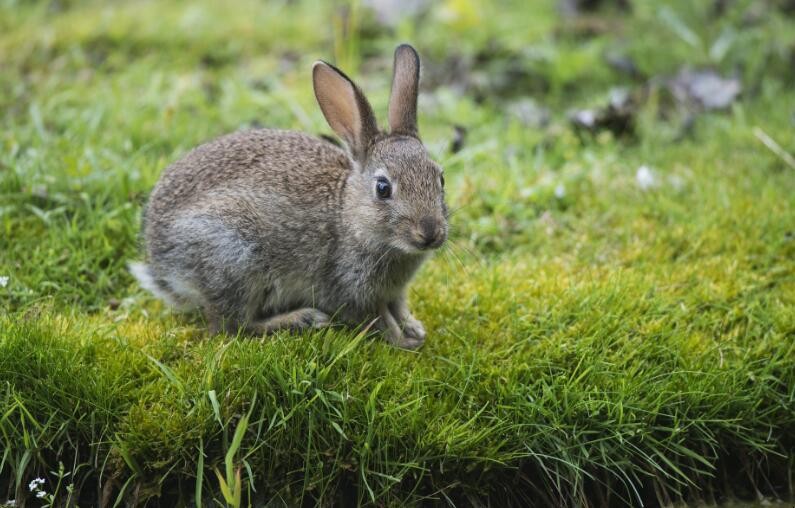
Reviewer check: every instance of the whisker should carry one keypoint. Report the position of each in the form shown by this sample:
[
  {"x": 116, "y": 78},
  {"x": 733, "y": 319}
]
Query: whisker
[
  {"x": 452, "y": 258},
  {"x": 452, "y": 243},
  {"x": 478, "y": 257},
  {"x": 375, "y": 264},
  {"x": 457, "y": 209},
  {"x": 449, "y": 251}
]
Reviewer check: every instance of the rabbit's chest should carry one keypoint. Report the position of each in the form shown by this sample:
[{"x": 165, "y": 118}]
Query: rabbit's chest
[{"x": 367, "y": 280}]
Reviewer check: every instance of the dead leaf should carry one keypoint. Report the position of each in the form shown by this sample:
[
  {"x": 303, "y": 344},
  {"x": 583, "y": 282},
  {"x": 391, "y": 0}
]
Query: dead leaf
[
  {"x": 573, "y": 7},
  {"x": 391, "y": 12},
  {"x": 459, "y": 137},
  {"x": 529, "y": 112},
  {"x": 704, "y": 89},
  {"x": 618, "y": 116}
]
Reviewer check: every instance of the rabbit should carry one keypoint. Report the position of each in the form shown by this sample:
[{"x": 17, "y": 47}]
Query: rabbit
[{"x": 267, "y": 230}]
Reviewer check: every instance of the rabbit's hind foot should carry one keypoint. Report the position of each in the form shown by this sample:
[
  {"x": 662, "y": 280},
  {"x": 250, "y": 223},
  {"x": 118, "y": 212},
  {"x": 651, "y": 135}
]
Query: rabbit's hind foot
[{"x": 296, "y": 320}]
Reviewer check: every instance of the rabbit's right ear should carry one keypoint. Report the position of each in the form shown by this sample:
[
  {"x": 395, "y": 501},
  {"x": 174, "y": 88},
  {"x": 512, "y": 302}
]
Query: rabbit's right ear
[
  {"x": 345, "y": 107},
  {"x": 405, "y": 86}
]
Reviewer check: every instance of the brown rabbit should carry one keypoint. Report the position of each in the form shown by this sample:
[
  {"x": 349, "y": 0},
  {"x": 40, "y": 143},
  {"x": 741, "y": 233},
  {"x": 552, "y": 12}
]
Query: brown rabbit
[{"x": 269, "y": 229}]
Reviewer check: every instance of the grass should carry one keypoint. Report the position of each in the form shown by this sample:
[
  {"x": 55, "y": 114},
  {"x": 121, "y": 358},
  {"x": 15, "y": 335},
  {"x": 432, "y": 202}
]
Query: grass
[{"x": 591, "y": 342}]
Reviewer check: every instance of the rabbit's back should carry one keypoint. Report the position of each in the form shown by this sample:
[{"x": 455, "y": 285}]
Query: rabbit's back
[
  {"x": 278, "y": 191},
  {"x": 285, "y": 163}
]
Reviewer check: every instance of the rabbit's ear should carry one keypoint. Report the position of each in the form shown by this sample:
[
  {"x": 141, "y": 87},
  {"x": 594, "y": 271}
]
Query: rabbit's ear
[
  {"x": 345, "y": 107},
  {"x": 405, "y": 86}
]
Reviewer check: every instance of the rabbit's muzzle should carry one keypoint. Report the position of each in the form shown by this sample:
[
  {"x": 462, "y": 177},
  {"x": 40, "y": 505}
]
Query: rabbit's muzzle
[{"x": 429, "y": 233}]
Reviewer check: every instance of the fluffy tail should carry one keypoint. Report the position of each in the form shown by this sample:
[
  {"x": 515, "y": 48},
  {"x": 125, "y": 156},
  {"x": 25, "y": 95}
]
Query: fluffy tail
[{"x": 143, "y": 273}]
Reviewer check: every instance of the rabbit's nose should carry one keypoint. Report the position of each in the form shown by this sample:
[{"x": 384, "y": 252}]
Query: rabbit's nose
[{"x": 429, "y": 232}]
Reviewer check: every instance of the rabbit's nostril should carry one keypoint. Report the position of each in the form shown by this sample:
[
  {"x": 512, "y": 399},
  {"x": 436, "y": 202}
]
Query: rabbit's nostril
[
  {"x": 426, "y": 241},
  {"x": 429, "y": 228},
  {"x": 428, "y": 232}
]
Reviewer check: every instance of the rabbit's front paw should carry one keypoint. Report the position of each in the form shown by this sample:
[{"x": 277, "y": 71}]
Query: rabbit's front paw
[
  {"x": 413, "y": 334},
  {"x": 405, "y": 342},
  {"x": 413, "y": 329},
  {"x": 400, "y": 339},
  {"x": 404, "y": 332}
]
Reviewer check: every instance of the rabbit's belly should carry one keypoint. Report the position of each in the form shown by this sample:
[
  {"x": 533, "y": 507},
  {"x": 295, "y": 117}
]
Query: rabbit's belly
[{"x": 285, "y": 292}]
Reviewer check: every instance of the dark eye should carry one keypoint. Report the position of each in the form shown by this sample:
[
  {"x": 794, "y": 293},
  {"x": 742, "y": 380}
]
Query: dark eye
[
  {"x": 441, "y": 177},
  {"x": 383, "y": 188}
]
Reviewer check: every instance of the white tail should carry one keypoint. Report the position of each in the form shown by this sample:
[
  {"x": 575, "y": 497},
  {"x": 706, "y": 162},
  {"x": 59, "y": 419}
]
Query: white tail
[{"x": 141, "y": 272}]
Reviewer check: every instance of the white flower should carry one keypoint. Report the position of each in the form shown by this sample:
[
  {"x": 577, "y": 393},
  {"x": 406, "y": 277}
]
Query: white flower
[
  {"x": 677, "y": 182},
  {"x": 40, "y": 494},
  {"x": 35, "y": 483},
  {"x": 645, "y": 178},
  {"x": 3, "y": 281},
  {"x": 560, "y": 191}
]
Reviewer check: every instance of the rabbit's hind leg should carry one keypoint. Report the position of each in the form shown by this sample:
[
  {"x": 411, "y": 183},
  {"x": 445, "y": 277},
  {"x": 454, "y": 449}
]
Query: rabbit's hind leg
[
  {"x": 209, "y": 263},
  {"x": 295, "y": 320}
]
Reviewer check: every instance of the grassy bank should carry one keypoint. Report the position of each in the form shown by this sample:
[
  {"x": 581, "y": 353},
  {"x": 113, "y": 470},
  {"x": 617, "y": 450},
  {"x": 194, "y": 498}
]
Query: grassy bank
[{"x": 611, "y": 322}]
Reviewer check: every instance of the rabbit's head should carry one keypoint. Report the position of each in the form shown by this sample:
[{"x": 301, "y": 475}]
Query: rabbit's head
[{"x": 396, "y": 192}]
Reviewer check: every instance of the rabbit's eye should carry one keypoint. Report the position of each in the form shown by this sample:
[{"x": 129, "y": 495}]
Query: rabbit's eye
[
  {"x": 383, "y": 188},
  {"x": 441, "y": 178}
]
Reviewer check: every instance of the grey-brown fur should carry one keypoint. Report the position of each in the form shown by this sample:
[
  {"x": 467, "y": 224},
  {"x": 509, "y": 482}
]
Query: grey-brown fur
[{"x": 268, "y": 229}]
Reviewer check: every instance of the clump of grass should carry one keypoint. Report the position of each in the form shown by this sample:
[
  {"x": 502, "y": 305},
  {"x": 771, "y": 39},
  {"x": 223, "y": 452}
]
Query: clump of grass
[{"x": 607, "y": 343}]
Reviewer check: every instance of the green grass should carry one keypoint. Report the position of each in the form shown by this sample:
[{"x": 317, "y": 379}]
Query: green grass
[{"x": 610, "y": 345}]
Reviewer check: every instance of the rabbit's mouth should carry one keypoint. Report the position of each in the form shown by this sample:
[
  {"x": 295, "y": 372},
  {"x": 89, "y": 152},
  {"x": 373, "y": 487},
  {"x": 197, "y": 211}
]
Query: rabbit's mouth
[
  {"x": 426, "y": 245},
  {"x": 416, "y": 237},
  {"x": 414, "y": 246},
  {"x": 427, "y": 240}
]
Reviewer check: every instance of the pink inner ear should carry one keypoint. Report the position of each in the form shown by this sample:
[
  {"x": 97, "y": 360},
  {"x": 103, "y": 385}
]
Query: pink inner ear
[{"x": 337, "y": 100}]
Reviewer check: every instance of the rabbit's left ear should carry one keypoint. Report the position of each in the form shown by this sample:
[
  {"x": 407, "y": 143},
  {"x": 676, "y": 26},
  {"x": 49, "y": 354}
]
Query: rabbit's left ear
[
  {"x": 345, "y": 107},
  {"x": 405, "y": 86}
]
